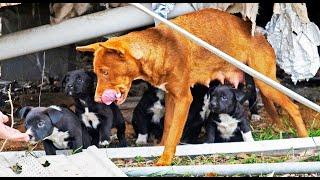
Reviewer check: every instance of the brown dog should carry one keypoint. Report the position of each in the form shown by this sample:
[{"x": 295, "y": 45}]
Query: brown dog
[{"x": 173, "y": 63}]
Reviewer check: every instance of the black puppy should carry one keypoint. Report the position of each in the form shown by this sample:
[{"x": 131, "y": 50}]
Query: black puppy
[
  {"x": 58, "y": 127},
  {"x": 97, "y": 117},
  {"x": 228, "y": 120}
]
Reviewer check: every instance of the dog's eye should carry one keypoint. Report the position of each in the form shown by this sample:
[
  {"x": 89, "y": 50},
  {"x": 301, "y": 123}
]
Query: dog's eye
[
  {"x": 224, "y": 98},
  {"x": 41, "y": 124},
  {"x": 80, "y": 80}
]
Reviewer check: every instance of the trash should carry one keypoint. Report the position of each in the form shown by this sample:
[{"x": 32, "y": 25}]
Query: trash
[
  {"x": 295, "y": 40},
  {"x": 162, "y": 9}
]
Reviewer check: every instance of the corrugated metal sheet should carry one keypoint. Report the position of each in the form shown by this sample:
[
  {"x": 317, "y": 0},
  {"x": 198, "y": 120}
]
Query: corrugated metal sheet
[{"x": 89, "y": 163}]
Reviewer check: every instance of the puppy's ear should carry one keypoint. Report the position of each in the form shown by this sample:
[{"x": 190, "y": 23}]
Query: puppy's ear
[
  {"x": 54, "y": 114},
  {"x": 92, "y": 75},
  {"x": 63, "y": 81},
  {"x": 240, "y": 96},
  {"x": 211, "y": 89},
  {"x": 23, "y": 112}
]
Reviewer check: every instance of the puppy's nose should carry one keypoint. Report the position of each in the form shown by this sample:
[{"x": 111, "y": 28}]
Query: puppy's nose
[
  {"x": 30, "y": 136},
  {"x": 212, "y": 105}
]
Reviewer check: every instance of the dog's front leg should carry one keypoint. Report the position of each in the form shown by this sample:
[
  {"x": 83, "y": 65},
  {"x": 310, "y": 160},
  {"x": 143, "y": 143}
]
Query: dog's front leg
[
  {"x": 49, "y": 148},
  {"x": 177, "y": 108}
]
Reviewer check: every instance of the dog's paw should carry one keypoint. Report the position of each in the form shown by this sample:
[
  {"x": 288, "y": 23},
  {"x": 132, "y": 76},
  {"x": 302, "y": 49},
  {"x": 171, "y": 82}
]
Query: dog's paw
[
  {"x": 255, "y": 117},
  {"x": 164, "y": 161},
  {"x": 104, "y": 143},
  {"x": 142, "y": 139}
]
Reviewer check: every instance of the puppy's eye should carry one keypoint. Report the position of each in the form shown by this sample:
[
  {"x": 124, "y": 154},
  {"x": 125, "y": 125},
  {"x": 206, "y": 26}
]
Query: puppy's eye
[
  {"x": 224, "y": 98},
  {"x": 80, "y": 80},
  {"x": 41, "y": 124}
]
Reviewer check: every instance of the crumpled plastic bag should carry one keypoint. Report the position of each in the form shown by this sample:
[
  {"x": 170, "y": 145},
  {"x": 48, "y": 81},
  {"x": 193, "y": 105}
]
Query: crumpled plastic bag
[
  {"x": 294, "y": 39},
  {"x": 162, "y": 9}
]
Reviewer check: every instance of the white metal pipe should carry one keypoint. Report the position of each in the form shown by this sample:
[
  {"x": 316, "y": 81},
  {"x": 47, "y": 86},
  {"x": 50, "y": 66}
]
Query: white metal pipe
[
  {"x": 78, "y": 29},
  {"x": 227, "y": 170},
  {"x": 279, "y": 146},
  {"x": 232, "y": 60}
]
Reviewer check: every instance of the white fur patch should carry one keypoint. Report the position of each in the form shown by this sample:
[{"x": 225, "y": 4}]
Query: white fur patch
[
  {"x": 158, "y": 112},
  {"x": 227, "y": 126},
  {"x": 88, "y": 117},
  {"x": 32, "y": 140},
  {"x": 160, "y": 94},
  {"x": 205, "y": 108},
  {"x": 142, "y": 139},
  {"x": 55, "y": 107},
  {"x": 162, "y": 87},
  {"x": 104, "y": 143},
  {"x": 83, "y": 102},
  {"x": 58, "y": 138},
  {"x": 247, "y": 137},
  {"x": 255, "y": 117}
]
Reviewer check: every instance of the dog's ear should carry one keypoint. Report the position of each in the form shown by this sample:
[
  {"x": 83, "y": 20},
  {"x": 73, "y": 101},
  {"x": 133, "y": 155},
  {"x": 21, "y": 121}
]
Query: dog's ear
[
  {"x": 89, "y": 48},
  {"x": 63, "y": 81},
  {"x": 92, "y": 75},
  {"x": 23, "y": 112},
  {"x": 121, "y": 47},
  {"x": 240, "y": 95},
  {"x": 54, "y": 114},
  {"x": 211, "y": 89}
]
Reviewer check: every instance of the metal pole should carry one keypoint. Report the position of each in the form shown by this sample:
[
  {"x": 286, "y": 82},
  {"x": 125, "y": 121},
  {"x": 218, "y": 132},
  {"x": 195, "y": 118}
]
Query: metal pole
[
  {"x": 227, "y": 170},
  {"x": 79, "y": 29},
  {"x": 232, "y": 60}
]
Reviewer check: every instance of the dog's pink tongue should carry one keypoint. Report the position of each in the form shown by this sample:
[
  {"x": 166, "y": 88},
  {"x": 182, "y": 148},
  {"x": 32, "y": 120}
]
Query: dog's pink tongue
[{"x": 108, "y": 96}]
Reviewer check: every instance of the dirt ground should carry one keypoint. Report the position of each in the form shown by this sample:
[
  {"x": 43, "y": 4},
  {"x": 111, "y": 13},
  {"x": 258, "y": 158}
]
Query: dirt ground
[{"x": 311, "y": 118}]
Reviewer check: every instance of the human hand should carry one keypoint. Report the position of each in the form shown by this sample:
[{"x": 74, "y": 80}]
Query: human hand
[{"x": 9, "y": 133}]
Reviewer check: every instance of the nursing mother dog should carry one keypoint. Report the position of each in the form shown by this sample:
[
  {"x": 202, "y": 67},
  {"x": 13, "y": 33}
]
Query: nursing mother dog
[{"x": 171, "y": 62}]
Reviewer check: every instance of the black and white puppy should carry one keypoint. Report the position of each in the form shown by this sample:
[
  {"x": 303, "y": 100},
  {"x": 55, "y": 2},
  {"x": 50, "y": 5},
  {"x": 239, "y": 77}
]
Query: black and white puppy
[
  {"x": 228, "y": 120},
  {"x": 57, "y": 127},
  {"x": 148, "y": 115},
  {"x": 97, "y": 117}
]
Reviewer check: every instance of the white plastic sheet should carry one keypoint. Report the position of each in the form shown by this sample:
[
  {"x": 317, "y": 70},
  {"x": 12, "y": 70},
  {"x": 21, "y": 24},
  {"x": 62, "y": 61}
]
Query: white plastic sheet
[
  {"x": 295, "y": 40},
  {"x": 162, "y": 9}
]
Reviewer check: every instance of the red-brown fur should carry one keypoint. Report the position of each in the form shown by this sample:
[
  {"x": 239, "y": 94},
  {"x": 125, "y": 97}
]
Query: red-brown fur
[{"x": 160, "y": 55}]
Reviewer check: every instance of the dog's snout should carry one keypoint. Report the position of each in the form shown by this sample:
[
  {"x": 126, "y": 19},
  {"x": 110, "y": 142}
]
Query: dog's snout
[
  {"x": 212, "y": 105},
  {"x": 98, "y": 99}
]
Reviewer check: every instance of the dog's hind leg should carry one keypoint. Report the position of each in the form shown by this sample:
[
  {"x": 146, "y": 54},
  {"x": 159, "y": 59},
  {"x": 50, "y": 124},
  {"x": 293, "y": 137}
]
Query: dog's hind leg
[
  {"x": 263, "y": 60},
  {"x": 271, "y": 110}
]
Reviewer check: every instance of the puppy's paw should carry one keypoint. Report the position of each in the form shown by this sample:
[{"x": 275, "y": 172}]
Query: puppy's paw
[
  {"x": 104, "y": 144},
  {"x": 255, "y": 117},
  {"x": 142, "y": 139},
  {"x": 247, "y": 137},
  {"x": 123, "y": 143}
]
